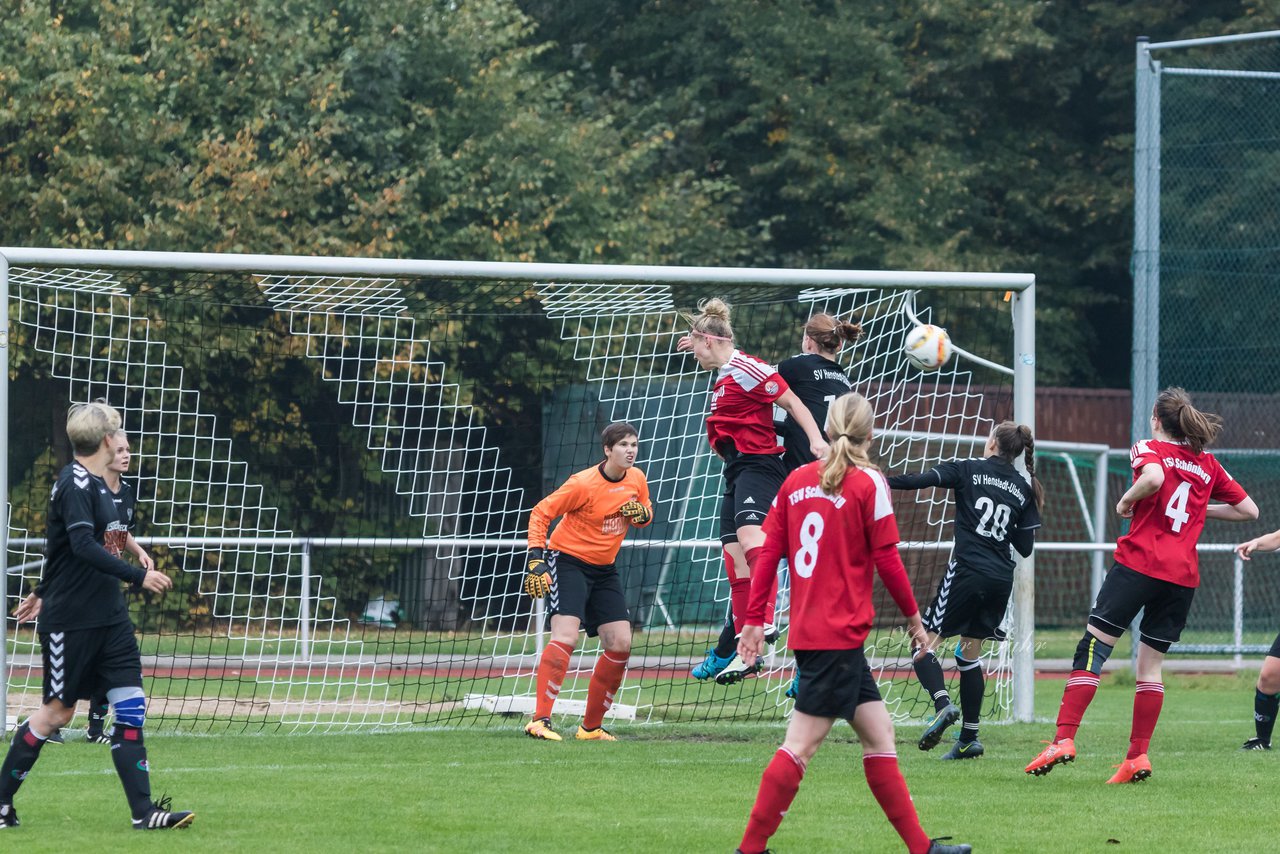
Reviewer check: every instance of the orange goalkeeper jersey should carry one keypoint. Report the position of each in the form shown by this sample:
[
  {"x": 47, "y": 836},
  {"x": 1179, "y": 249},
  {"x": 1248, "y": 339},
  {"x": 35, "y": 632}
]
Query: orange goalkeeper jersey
[{"x": 592, "y": 528}]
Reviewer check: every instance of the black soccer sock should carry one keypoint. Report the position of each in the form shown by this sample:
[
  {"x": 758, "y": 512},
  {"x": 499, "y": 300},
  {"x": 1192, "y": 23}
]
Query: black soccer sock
[
  {"x": 1265, "y": 707},
  {"x": 98, "y": 708},
  {"x": 130, "y": 757},
  {"x": 973, "y": 684},
  {"x": 727, "y": 645},
  {"x": 24, "y": 750},
  {"x": 929, "y": 672}
]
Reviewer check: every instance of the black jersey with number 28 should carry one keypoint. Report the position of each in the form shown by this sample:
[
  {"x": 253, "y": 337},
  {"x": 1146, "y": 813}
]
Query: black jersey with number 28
[{"x": 993, "y": 500}]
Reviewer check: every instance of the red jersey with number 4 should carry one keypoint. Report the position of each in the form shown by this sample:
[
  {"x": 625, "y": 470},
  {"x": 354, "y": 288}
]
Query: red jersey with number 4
[
  {"x": 1166, "y": 526},
  {"x": 742, "y": 405},
  {"x": 828, "y": 543}
]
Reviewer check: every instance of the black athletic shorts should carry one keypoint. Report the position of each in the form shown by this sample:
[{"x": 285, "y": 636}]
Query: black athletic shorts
[
  {"x": 591, "y": 593},
  {"x": 969, "y": 604},
  {"x": 750, "y": 483},
  {"x": 834, "y": 682},
  {"x": 1275, "y": 648},
  {"x": 81, "y": 663},
  {"x": 1126, "y": 591}
]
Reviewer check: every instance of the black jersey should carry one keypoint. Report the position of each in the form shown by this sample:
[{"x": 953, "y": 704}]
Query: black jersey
[
  {"x": 80, "y": 588},
  {"x": 817, "y": 382},
  {"x": 993, "y": 503}
]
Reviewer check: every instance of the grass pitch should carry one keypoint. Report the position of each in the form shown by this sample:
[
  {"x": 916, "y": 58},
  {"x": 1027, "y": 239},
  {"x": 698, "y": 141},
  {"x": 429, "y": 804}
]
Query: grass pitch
[{"x": 684, "y": 787}]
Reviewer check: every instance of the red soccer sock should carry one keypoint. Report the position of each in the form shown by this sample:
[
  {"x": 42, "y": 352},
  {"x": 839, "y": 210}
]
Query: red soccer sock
[
  {"x": 551, "y": 670},
  {"x": 890, "y": 791},
  {"x": 778, "y": 789},
  {"x": 605, "y": 679},
  {"x": 1081, "y": 686},
  {"x": 1147, "y": 701},
  {"x": 739, "y": 593}
]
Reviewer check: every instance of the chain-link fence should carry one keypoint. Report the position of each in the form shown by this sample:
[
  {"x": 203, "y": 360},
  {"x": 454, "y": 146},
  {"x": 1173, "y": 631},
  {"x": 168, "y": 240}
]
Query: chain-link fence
[{"x": 1206, "y": 269}]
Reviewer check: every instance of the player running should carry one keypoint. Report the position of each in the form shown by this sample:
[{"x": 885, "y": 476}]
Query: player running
[
  {"x": 86, "y": 637},
  {"x": 740, "y": 430},
  {"x": 996, "y": 507},
  {"x": 580, "y": 581},
  {"x": 1156, "y": 570},
  {"x": 833, "y": 521}
]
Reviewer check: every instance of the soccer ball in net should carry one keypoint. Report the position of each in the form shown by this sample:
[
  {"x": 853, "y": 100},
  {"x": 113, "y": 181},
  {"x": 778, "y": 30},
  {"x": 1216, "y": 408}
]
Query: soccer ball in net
[{"x": 928, "y": 347}]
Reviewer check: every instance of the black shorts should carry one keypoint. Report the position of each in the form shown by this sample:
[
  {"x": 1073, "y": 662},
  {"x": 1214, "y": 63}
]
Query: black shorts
[
  {"x": 969, "y": 604},
  {"x": 591, "y": 593},
  {"x": 1126, "y": 591},
  {"x": 1275, "y": 648},
  {"x": 750, "y": 483},
  {"x": 833, "y": 683},
  {"x": 81, "y": 663}
]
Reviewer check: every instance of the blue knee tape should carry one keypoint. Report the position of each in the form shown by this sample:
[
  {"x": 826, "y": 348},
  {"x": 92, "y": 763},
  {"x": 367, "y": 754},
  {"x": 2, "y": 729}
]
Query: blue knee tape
[{"x": 129, "y": 705}]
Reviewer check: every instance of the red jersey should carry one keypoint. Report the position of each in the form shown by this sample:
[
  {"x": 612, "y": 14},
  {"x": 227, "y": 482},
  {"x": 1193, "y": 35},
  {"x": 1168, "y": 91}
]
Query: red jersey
[
  {"x": 592, "y": 528},
  {"x": 742, "y": 405},
  {"x": 1166, "y": 526},
  {"x": 828, "y": 542}
]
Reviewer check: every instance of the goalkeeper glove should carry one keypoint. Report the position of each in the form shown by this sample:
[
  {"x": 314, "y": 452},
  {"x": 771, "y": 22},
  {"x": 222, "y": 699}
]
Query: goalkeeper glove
[
  {"x": 636, "y": 512},
  {"x": 537, "y": 581}
]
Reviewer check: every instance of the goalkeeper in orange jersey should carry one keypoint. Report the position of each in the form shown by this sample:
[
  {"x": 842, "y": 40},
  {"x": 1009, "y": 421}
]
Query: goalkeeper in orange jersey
[{"x": 578, "y": 577}]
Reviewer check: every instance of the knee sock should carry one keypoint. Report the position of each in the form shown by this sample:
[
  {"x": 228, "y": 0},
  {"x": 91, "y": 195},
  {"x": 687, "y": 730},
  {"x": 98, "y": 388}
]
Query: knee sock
[
  {"x": 973, "y": 685},
  {"x": 605, "y": 679},
  {"x": 98, "y": 708},
  {"x": 778, "y": 789},
  {"x": 1081, "y": 686},
  {"x": 1147, "y": 700},
  {"x": 129, "y": 755},
  {"x": 929, "y": 672},
  {"x": 551, "y": 669},
  {"x": 739, "y": 593},
  {"x": 891, "y": 793},
  {"x": 727, "y": 643},
  {"x": 24, "y": 750},
  {"x": 1265, "y": 707}
]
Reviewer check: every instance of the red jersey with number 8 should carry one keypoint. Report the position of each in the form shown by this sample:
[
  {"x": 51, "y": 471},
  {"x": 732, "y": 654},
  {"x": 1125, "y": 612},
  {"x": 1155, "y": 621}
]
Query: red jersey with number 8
[
  {"x": 828, "y": 541},
  {"x": 1166, "y": 526}
]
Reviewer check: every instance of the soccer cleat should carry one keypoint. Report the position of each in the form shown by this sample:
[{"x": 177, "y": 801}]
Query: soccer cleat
[
  {"x": 541, "y": 728},
  {"x": 793, "y": 690},
  {"x": 97, "y": 738},
  {"x": 597, "y": 734},
  {"x": 8, "y": 816},
  {"x": 964, "y": 750},
  {"x": 737, "y": 670},
  {"x": 1132, "y": 770},
  {"x": 1058, "y": 753},
  {"x": 160, "y": 817},
  {"x": 765, "y": 851},
  {"x": 1256, "y": 744},
  {"x": 711, "y": 665},
  {"x": 56, "y": 738},
  {"x": 936, "y": 847},
  {"x": 937, "y": 725}
]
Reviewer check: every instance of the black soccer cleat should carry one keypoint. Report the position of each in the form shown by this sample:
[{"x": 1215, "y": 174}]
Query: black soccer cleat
[
  {"x": 160, "y": 817},
  {"x": 936, "y": 846},
  {"x": 8, "y": 816},
  {"x": 964, "y": 750},
  {"x": 937, "y": 725},
  {"x": 56, "y": 737},
  {"x": 1256, "y": 744},
  {"x": 97, "y": 738}
]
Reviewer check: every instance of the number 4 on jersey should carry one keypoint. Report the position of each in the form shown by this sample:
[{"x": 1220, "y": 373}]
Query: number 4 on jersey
[{"x": 1176, "y": 509}]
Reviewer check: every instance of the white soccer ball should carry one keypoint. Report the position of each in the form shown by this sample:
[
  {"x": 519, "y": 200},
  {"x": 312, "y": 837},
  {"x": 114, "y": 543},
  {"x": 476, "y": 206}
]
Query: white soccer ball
[{"x": 928, "y": 347}]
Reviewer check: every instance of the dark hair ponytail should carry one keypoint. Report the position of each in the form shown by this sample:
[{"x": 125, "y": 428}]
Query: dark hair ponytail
[
  {"x": 1183, "y": 422},
  {"x": 1013, "y": 439}
]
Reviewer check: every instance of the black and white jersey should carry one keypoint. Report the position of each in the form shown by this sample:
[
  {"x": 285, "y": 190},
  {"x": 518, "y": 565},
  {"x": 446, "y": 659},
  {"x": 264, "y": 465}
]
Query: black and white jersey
[
  {"x": 126, "y": 502},
  {"x": 994, "y": 503},
  {"x": 80, "y": 588},
  {"x": 817, "y": 382}
]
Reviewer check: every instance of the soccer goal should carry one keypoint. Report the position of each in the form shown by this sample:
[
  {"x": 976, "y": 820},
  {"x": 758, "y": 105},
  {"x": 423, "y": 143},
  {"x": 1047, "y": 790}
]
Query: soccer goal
[{"x": 335, "y": 460}]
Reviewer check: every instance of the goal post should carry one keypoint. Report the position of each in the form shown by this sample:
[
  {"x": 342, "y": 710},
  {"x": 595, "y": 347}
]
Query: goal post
[{"x": 335, "y": 459}]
